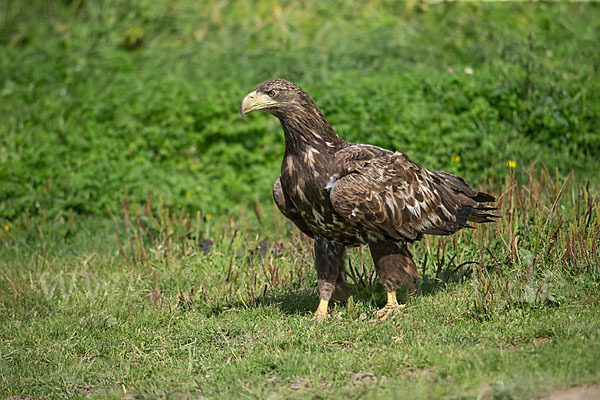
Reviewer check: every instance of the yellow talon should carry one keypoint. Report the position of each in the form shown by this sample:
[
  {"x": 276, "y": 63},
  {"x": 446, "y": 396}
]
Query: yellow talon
[
  {"x": 321, "y": 312},
  {"x": 391, "y": 307}
]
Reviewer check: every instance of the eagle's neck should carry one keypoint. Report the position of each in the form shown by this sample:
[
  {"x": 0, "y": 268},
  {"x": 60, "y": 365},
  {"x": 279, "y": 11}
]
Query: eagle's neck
[{"x": 308, "y": 129}]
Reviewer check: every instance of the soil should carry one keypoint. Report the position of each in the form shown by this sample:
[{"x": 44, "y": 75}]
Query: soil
[{"x": 591, "y": 392}]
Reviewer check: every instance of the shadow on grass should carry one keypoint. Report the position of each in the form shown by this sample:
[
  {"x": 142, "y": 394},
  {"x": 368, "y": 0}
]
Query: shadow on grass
[
  {"x": 304, "y": 301},
  {"x": 364, "y": 288},
  {"x": 290, "y": 301}
]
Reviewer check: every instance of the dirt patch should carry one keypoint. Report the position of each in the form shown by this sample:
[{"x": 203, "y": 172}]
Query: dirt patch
[
  {"x": 364, "y": 378},
  {"x": 542, "y": 340},
  {"x": 591, "y": 392},
  {"x": 18, "y": 398},
  {"x": 297, "y": 382},
  {"x": 415, "y": 373},
  {"x": 536, "y": 341}
]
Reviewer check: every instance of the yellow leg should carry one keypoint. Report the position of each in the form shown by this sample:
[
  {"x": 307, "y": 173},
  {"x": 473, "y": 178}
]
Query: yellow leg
[
  {"x": 391, "y": 307},
  {"x": 321, "y": 312}
]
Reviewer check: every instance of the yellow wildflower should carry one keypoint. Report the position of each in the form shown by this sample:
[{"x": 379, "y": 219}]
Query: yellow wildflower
[
  {"x": 188, "y": 193},
  {"x": 512, "y": 164},
  {"x": 6, "y": 227},
  {"x": 456, "y": 159},
  {"x": 208, "y": 216}
]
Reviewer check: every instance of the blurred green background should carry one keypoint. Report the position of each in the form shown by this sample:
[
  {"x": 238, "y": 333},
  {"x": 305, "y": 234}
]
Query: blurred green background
[{"x": 96, "y": 96}]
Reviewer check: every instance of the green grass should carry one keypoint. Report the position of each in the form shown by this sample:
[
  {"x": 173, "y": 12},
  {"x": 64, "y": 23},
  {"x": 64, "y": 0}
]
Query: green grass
[
  {"x": 121, "y": 149},
  {"x": 133, "y": 307}
]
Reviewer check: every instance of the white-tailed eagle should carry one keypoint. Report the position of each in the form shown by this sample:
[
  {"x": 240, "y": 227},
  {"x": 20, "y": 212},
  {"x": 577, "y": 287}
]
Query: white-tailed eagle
[{"x": 344, "y": 194}]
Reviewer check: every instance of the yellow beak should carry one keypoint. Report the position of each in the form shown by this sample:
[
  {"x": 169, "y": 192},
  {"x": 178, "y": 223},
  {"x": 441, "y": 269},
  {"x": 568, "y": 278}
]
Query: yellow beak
[{"x": 255, "y": 101}]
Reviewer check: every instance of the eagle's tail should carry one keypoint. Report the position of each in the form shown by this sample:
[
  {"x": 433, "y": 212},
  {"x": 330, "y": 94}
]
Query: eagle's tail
[
  {"x": 474, "y": 208},
  {"x": 480, "y": 215}
]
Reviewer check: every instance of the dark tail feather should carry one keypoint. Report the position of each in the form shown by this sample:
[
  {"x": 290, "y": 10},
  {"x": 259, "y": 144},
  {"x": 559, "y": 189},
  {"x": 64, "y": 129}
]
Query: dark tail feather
[
  {"x": 482, "y": 197},
  {"x": 458, "y": 184},
  {"x": 481, "y": 216}
]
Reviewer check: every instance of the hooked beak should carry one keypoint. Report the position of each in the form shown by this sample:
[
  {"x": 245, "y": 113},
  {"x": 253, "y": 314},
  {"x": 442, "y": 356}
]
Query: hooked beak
[{"x": 255, "y": 101}]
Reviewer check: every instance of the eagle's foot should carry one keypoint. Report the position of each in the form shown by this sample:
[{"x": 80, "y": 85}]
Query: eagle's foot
[
  {"x": 389, "y": 309},
  {"x": 392, "y": 307},
  {"x": 321, "y": 313}
]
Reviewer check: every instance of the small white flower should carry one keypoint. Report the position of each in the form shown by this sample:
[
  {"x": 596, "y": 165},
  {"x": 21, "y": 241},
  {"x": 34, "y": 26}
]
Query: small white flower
[{"x": 469, "y": 71}]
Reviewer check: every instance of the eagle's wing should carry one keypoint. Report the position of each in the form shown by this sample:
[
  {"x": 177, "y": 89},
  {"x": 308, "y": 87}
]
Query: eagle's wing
[{"x": 390, "y": 194}]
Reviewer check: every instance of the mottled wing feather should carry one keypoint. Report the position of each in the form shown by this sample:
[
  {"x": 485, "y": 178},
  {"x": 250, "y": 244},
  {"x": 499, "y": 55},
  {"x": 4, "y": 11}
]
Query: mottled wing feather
[{"x": 392, "y": 195}]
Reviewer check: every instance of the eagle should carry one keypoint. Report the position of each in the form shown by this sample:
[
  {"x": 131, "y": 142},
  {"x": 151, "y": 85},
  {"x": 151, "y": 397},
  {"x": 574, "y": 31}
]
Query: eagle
[{"x": 344, "y": 194}]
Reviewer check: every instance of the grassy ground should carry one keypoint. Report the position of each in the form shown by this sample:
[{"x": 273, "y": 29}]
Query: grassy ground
[
  {"x": 140, "y": 256},
  {"x": 156, "y": 309}
]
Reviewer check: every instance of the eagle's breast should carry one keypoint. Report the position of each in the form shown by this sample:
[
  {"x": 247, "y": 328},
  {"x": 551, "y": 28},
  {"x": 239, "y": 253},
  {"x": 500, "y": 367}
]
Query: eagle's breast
[{"x": 304, "y": 177}]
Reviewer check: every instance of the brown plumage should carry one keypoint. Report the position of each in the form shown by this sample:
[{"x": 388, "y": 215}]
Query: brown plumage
[{"x": 344, "y": 194}]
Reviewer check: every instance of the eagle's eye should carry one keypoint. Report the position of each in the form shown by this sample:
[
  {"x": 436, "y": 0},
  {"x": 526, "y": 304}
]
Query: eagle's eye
[{"x": 271, "y": 93}]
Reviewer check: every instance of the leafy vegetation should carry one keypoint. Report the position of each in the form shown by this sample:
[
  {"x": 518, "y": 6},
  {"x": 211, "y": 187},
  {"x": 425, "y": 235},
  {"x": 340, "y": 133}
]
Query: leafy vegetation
[
  {"x": 141, "y": 255},
  {"x": 100, "y": 96}
]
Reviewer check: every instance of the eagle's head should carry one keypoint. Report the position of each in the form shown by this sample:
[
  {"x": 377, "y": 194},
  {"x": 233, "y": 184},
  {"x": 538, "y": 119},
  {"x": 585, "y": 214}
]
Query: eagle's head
[{"x": 278, "y": 97}]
